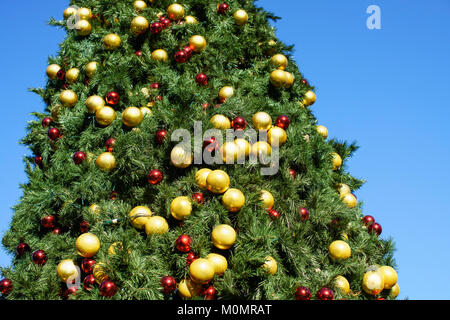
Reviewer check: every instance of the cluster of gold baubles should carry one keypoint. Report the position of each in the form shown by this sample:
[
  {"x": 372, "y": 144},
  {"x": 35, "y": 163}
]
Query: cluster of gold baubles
[
  {"x": 142, "y": 218},
  {"x": 346, "y": 195},
  {"x": 83, "y": 15},
  {"x": 280, "y": 78}
]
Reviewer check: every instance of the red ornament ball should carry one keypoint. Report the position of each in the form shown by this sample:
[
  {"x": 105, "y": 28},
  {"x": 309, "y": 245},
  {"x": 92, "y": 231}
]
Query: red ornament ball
[
  {"x": 84, "y": 227},
  {"x": 89, "y": 282},
  {"x": 375, "y": 227},
  {"x": 57, "y": 231},
  {"x": 113, "y": 195},
  {"x": 223, "y": 7},
  {"x": 48, "y": 222},
  {"x": 169, "y": 284},
  {"x": 159, "y": 98},
  {"x": 156, "y": 27},
  {"x": 160, "y": 136},
  {"x": 293, "y": 173},
  {"x": 368, "y": 220},
  {"x": 181, "y": 57},
  {"x": 210, "y": 293},
  {"x": 189, "y": 52},
  {"x": 198, "y": 197},
  {"x": 154, "y": 85},
  {"x": 205, "y": 106},
  {"x": 325, "y": 294},
  {"x": 305, "y": 82},
  {"x": 210, "y": 144},
  {"x": 112, "y": 98},
  {"x": 302, "y": 293},
  {"x": 69, "y": 291},
  {"x": 283, "y": 122},
  {"x": 61, "y": 75},
  {"x": 22, "y": 248},
  {"x": 6, "y": 286},
  {"x": 273, "y": 214},
  {"x": 138, "y": 53},
  {"x": 155, "y": 177},
  {"x": 239, "y": 123},
  {"x": 108, "y": 288},
  {"x": 39, "y": 257},
  {"x": 54, "y": 133},
  {"x": 304, "y": 213},
  {"x": 165, "y": 22},
  {"x": 183, "y": 243},
  {"x": 191, "y": 257},
  {"x": 201, "y": 79},
  {"x": 110, "y": 143},
  {"x": 88, "y": 265},
  {"x": 46, "y": 122},
  {"x": 79, "y": 157},
  {"x": 38, "y": 161}
]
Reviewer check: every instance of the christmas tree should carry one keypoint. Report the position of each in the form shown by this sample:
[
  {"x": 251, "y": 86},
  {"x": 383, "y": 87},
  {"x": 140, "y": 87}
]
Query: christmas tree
[{"x": 178, "y": 157}]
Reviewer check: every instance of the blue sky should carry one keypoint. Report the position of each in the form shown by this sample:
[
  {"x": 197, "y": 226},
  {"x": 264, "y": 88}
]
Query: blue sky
[{"x": 387, "y": 89}]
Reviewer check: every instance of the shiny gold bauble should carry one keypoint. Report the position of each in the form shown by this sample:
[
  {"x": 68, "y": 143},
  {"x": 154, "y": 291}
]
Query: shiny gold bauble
[
  {"x": 197, "y": 43},
  {"x": 218, "y": 181},
  {"x": 219, "y": 263},
  {"x": 389, "y": 276},
  {"x": 105, "y": 116},
  {"x": 271, "y": 265},
  {"x": 223, "y": 236},
  {"x": 373, "y": 282},
  {"x": 99, "y": 272},
  {"x": 68, "y": 98},
  {"x": 322, "y": 131},
  {"x": 339, "y": 250},
  {"x": 139, "y": 216},
  {"x": 175, "y": 11},
  {"x": 180, "y": 157},
  {"x": 112, "y": 41},
  {"x": 95, "y": 208},
  {"x": 83, "y": 28},
  {"x": 94, "y": 103},
  {"x": 160, "y": 55},
  {"x": 279, "y": 61},
  {"x": 350, "y": 200},
  {"x": 342, "y": 284},
  {"x": 395, "y": 290},
  {"x": 233, "y": 200},
  {"x": 336, "y": 160},
  {"x": 219, "y": 121},
  {"x": 309, "y": 99},
  {"x": 276, "y": 136},
  {"x": 290, "y": 80},
  {"x": 200, "y": 178},
  {"x": 262, "y": 121},
  {"x": 190, "y": 20},
  {"x": 156, "y": 225},
  {"x": 201, "y": 271},
  {"x": 70, "y": 11},
  {"x": 189, "y": 289},
  {"x": 66, "y": 269},
  {"x": 243, "y": 148},
  {"x": 240, "y": 17},
  {"x": 87, "y": 245},
  {"x": 226, "y": 92},
  {"x": 91, "y": 67},
  {"x": 139, "y": 25},
  {"x": 52, "y": 71},
  {"x": 146, "y": 111},
  {"x": 115, "y": 246},
  {"x": 271, "y": 47},
  {"x": 343, "y": 189},
  {"x": 72, "y": 75},
  {"x": 84, "y": 13},
  {"x": 267, "y": 199},
  {"x": 229, "y": 152},
  {"x": 106, "y": 161},
  {"x": 279, "y": 78},
  {"x": 139, "y": 5},
  {"x": 181, "y": 208},
  {"x": 132, "y": 117},
  {"x": 261, "y": 149}
]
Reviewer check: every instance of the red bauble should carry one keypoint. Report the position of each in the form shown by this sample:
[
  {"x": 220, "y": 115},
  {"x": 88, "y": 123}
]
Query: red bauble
[
  {"x": 201, "y": 79},
  {"x": 183, "y": 243},
  {"x": 210, "y": 144},
  {"x": 223, "y": 8},
  {"x": 87, "y": 265},
  {"x": 165, "y": 22},
  {"x": 154, "y": 85},
  {"x": 156, "y": 27},
  {"x": 69, "y": 291},
  {"x": 84, "y": 227},
  {"x": 46, "y": 122},
  {"x": 108, "y": 288},
  {"x": 191, "y": 257},
  {"x": 54, "y": 133},
  {"x": 22, "y": 248},
  {"x": 38, "y": 161},
  {"x": 283, "y": 122},
  {"x": 304, "y": 213},
  {"x": 48, "y": 222},
  {"x": 189, "y": 52},
  {"x": 160, "y": 136},
  {"x": 61, "y": 74},
  {"x": 138, "y": 53},
  {"x": 273, "y": 214},
  {"x": 210, "y": 293},
  {"x": 57, "y": 231},
  {"x": 79, "y": 157},
  {"x": 113, "y": 195},
  {"x": 293, "y": 173},
  {"x": 368, "y": 220},
  {"x": 198, "y": 197},
  {"x": 375, "y": 227},
  {"x": 6, "y": 286},
  {"x": 159, "y": 98},
  {"x": 181, "y": 57},
  {"x": 169, "y": 284},
  {"x": 39, "y": 257},
  {"x": 305, "y": 82},
  {"x": 239, "y": 123},
  {"x": 205, "y": 106},
  {"x": 110, "y": 143},
  {"x": 89, "y": 282},
  {"x": 112, "y": 98},
  {"x": 325, "y": 294},
  {"x": 155, "y": 177},
  {"x": 302, "y": 293}
]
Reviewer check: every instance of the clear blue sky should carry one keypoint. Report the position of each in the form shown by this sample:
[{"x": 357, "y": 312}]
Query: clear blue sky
[{"x": 388, "y": 89}]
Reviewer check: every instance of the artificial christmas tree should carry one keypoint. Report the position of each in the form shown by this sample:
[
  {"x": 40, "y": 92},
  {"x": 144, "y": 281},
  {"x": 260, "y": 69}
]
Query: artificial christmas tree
[{"x": 138, "y": 214}]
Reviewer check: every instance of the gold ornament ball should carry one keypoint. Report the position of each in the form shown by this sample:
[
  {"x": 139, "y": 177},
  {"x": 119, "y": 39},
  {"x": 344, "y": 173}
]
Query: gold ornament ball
[
  {"x": 139, "y": 216},
  {"x": 68, "y": 98},
  {"x": 132, "y": 117},
  {"x": 84, "y": 13},
  {"x": 189, "y": 289},
  {"x": 267, "y": 200},
  {"x": 262, "y": 121},
  {"x": 223, "y": 236},
  {"x": 139, "y": 25},
  {"x": 91, "y": 67},
  {"x": 342, "y": 284},
  {"x": 52, "y": 71},
  {"x": 233, "y": 200},
  {"x": 229, "y": 152},
  {"x": 105, "y": 116},
  {"x": 83, "y": 28},
  {"x": 221, "y": 122},
  {"x": 322, "y": 131},
  {"x": 343, "y": 189},
  {"x": 72, "y": 75},
  {"x": 339, "y": 250},
  {"x": 190, "y": 20},
  {"x": 66, "y": 269},
  {"x": 240, "y": 17},
  {"x": 112, "y": 41},
  {"x": 95, "y": 209},
  {"x": 279, "y": 78},
  {"x": 290, "y": 80},
  {"x": 201, "y": 271},
  {"x": 373, "y": 282},
  {"x": 106, "y": 161},
  {"x": 160, "y": 55},
  {"x": 180, "y": 157},
  {"x": 218, "y": 181},
  {"x": 243, "y": 148},
  {"x": 99, "y": 272},
  {"x": 276, "y": 136},
  {"x": 350, "y": 200},
  {"x": 115, "y": 246},
  {"x": 156, "y": 225},
  {"x": 219, "y": 263},
  {"x": 309, "y": 99},
  {"x": 87, "y": 245},
  {"x": 70, "y": 11},
  {"x": 139, "y": 5},
  {"x": 271, "y": 265},
  {"x": 261, "y": 149},
  {"x": 175, "y": 11},
  {"x": 146, "y": 111},
  {"x": 336, "y": 160},
  {"x": 94, "y": 103},
  {"x": 200, "y": 178},
  {"x": 395, "y": 290},
  {"x": 272, "y": 47},
  {"x": 181, "y": 208},
  {"x": 389, "y": 276},
  {"x": 197, "y": 43},
  {"x": 279, "y": 61},
  {"x": 226, "y": 92}
]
